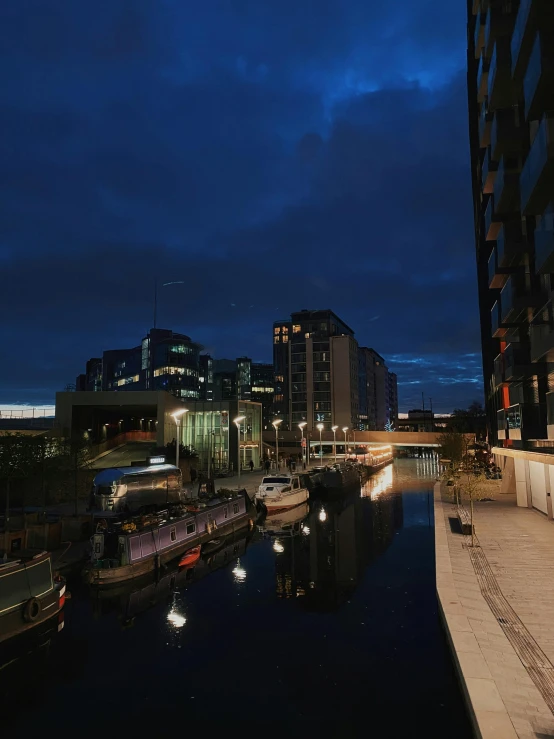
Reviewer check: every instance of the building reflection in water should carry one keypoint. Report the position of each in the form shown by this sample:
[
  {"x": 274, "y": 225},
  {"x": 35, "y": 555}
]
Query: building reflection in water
[{"x": 322, "y": 554}]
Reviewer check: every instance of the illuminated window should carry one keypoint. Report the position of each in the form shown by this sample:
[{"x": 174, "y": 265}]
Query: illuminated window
[
  {"x": 278, "y": 398},
  {"x": 285, "y": 339},
  {"x": 285, "y": 330},
  {"x": 279, "y": 378},
  {"x": 277, "y": 330},
  {"x": 276, "y": 340},
  {"x": 296, "y": 328},
  {"x": 127, "y": 380}
]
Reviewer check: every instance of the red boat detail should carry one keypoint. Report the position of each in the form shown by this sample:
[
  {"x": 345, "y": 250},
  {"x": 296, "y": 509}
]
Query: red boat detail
[{"x": 190, "y": 558}]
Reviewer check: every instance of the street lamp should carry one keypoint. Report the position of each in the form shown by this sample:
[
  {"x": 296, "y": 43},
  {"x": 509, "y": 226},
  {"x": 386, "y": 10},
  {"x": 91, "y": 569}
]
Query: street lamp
[
  {"x": 275, "y": 425},
  {"x": 301, "y": 427},
  {"x": 320, "y": 428},
  {"x": 345, "y": 429},
  {"x": 334, "y": 430},
  {"x": 237, "y": 421},
  {"x": 177, "y": 418}
]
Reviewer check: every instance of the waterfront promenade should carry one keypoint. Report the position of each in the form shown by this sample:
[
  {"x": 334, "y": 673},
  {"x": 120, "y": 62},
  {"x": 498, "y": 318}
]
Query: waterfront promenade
[{"x": 497, "y": 602}]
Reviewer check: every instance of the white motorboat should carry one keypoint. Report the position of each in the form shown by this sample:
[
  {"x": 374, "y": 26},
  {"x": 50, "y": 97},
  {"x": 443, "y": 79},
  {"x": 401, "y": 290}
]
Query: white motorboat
[{"x": 279, "y": 492}]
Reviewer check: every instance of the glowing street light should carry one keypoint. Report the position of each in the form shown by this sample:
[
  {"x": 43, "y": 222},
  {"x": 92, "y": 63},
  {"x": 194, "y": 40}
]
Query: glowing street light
[
  {"x": 237, "y": 422},
  {"x": 322, "y": 515},
  {"x": 177, "y": 418},
  {"x": 275, "y": 425},
  {"x": 345, "y": 429},
  {"x": 334, "y": 430},
  {"x": 320, "y": 428},
  {"x": 301, "y": 427}
]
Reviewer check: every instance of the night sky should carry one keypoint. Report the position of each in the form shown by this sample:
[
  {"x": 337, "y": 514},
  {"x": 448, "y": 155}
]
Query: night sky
[{"x": 275, "y": 155}]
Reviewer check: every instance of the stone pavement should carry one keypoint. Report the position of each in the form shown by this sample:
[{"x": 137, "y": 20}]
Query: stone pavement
[{"x": 497, "y": 601}]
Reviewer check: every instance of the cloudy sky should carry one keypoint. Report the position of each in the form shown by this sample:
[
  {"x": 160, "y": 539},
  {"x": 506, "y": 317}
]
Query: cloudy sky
[{"x": 274, "y": 155}]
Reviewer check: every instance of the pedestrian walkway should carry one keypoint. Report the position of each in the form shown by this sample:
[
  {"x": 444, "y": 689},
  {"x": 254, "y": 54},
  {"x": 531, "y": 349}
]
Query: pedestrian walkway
[{"x": 497, "y": 601}]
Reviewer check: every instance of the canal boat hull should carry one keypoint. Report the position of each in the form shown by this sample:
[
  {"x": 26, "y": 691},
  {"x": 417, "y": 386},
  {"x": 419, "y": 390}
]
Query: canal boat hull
[{"x": 150, "y": 550}]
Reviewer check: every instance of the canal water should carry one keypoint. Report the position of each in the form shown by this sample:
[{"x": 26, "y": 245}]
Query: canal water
[{"x": 324, "y": 623}]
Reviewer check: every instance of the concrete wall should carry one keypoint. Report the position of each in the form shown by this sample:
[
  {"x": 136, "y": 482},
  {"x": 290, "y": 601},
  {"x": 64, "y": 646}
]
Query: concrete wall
[{"x": 532, "y": 479}]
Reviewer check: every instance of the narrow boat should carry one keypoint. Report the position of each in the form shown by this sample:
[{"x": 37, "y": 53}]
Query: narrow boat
[
  {"x": 284, "y": 521},
  {"x": 337, "y": 477},
  {"x": 29, "y": 594},
  {"x": 279, "y": 492},
  {"x": 123, "y": 549}
]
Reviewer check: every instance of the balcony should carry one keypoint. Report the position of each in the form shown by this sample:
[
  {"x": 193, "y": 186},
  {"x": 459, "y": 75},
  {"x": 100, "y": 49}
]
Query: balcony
[
  {"x": 522, "y": 38},
  {"x": 537, "y": 176},
  {"x": 482, "y": 79},
  {"x": 498, "y": 330},
  {"x": 538, "y": 81},
  {"x": 479, "y": 6},
  {"x": 544, "y": 244},
  {"x": 497, "y": 279},
  {"x": 500, "y": 89},
  {"x": 506, "y": 137},
  {"x": 511, "y": 245},
  {"x": 506, "y": 187},
  {"x": 516, "y": 297},
  {"x": 488, "y": 173},
  {"x": 541, "y": 334},
  {"x": 485, "y": 122},
  {"x": 492, "y": 221},
  {"x": 479, "y": 36},
  {"x": 498, "y": 373},
  {"x": 517, "y": 363}
]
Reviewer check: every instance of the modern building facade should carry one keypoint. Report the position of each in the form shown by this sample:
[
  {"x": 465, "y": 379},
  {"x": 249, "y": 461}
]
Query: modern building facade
[
  {"x": 511, "y": 108},
  {"x": 164, "y": 360},
  {"x": 511, "y": 103},
  {"x": 323, "y": 376}
]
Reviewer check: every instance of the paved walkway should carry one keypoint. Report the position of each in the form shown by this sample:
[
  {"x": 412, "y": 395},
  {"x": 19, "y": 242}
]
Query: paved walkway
[{"x": 497, "y": 601}]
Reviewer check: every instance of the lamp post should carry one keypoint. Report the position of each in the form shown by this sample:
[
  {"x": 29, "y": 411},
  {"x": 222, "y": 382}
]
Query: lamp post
[
  {"x": 275, "y": 425},
  {"x": 237, "y": 421},
  {"x": 320, "y": 428},
  {"x": 301, "y": 427},
  {"x": 334, "y": 430},
  {"x": 345, "y": 429},
  {"x": 177, "y": 418}
]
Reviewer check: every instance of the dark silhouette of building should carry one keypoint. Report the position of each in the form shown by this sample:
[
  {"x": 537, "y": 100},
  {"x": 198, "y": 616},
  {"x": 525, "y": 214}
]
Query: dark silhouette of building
[{"x": 511, "y": 104}]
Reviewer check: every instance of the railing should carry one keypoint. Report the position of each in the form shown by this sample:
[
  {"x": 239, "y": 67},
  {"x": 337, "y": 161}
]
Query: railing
[
  {"x": 493, "y": 67},
  {"x": 482, "y": 78},
  {"x": 544, "y": 244},
  {"x": 121, "y": 439},
  {"x": 534, "y": 166},
  {"x": 519, "y": 31},
  {"x": 532, "y": 75},
  {"x": 541, "y": 333}
]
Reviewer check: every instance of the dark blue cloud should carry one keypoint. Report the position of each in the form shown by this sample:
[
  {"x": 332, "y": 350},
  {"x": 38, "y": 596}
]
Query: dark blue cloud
[{"x": 279, "y": 155}]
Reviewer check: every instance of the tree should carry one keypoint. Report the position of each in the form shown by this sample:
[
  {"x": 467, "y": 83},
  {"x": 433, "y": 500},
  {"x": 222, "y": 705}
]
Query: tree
[
  {"x": 471, "y": 488},
  {"x": 452, "y": 448},
  {"x": 20, "y": 455},
  {"x": 72, "y": 454}
]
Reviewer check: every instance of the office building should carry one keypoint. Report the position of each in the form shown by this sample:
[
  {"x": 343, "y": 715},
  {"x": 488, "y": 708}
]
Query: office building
[
  {"x": 323, "y": 376},
  {"x": 511, "y": 102},
  {"x": 164, "y": 360}
]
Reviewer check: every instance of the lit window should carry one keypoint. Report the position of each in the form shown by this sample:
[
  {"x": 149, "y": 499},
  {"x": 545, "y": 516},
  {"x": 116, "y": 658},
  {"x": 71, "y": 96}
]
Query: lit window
[
  {"x": 277, "y": 330},
  {"x": 285, "y": 339},
  {"x": 276, "y": 340},
  {"x": 278, "y": 398},
  {"x": 127, "y": 380},
  {"x": 285, "y": 330},
  {"x": 296, "y": 328},
  {"x": 279, "y": 378}
]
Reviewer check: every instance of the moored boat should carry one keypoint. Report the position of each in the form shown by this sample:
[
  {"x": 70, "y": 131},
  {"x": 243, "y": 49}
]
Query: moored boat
[
  {"x": 29, "y": 593},
  {"x": 279, "y": 492},
  {"x": 124, "y": 549}
]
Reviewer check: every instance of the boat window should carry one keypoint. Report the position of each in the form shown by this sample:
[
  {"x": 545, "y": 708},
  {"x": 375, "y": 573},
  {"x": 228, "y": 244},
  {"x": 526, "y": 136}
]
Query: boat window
[
  {"x": 295, "y": 484},
  {"x": 275, "y": 480},
  {"x": 173, "y": 533},
  {"x": 235, "y": 507},
  {"x": 39, "y": 577},
  {"x": 15, "y": 589},
  {"x": 104, "y": 490},
  {"x": 191, "y": 527}
]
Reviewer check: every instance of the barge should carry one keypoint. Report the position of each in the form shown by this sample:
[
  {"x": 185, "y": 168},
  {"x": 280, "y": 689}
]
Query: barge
[
  {"x": 128, "y": 548},
  {"x": 29, "y": 593}
]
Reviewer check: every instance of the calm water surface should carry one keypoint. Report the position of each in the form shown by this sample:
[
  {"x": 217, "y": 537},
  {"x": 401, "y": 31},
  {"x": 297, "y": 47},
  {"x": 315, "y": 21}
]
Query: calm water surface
[{"x": 324, "y": 624}]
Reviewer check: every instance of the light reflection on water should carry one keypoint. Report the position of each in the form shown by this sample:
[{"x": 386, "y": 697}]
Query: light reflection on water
[{"x": 330, "y": 605}]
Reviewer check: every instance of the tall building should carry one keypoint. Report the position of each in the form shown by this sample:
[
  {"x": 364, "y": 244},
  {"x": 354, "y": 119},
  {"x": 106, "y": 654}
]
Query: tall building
[
  {"x": 392, "y": 411},
  {"x": 511, "y": 108},
  {"x": 323, "y": 376},
  {"x": 164, "y": 360}
]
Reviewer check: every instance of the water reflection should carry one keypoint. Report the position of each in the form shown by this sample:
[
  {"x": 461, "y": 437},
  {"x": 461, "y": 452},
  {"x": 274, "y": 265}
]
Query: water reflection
[
  {"x": 322, "y": 553},
  {"x": 131, "y": 599}
]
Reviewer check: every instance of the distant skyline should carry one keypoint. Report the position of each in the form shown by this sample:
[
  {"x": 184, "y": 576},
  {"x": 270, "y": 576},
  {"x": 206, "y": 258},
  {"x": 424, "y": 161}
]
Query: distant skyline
[{"x": 270, "y": 156}]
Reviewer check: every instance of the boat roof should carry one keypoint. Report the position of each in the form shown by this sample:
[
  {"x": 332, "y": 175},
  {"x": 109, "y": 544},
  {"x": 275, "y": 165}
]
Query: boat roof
[{"x": 115, "y": 473}]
